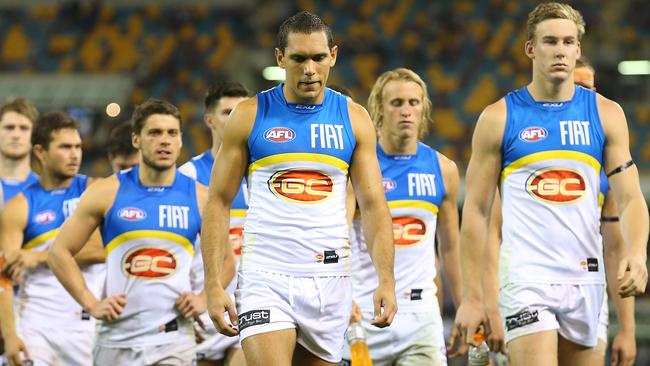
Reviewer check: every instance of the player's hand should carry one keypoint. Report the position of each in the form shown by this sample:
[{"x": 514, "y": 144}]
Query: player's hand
[
  {"x": 385, "y": 304},
  {"x": 355, "y": 315},
  {"x": 191, "y": 305},
  {"x": 220, "y": 305},
  {"x": 109, "y": 309},
  {"x": 470, "y": 315},
  {"x": 456, "y": 345},
  {"x": 19, "y": 262},
  {"x": 496, "y": 338},
  {"x": 632, "y": 276},
  {"x": 15, "y": 351},
  {"x": 623, "y": 349}
]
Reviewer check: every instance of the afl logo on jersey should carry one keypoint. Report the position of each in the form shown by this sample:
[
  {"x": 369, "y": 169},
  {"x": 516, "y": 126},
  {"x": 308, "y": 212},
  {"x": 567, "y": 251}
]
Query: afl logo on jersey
[
  {"x": 408, "y": 230},
  {"x": 279, "y": 134},
  {"x": 301, "y": 186},
  {"x": 388, "y": 184},
  {"x": 149, "y": 263},
  {"x": 45, "y": 217},
  {"x": 556, "y": 185},
  {"x": 131, "y": 214},
  {"x": 533, "y": 134}
]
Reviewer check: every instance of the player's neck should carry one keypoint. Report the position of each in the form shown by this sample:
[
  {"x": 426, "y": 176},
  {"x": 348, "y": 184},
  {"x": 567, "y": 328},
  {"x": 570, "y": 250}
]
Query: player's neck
[
  {"x": 396, "y": 145},
  {"x": 50, "y": 180},
  {"x": 547, "y": 91},
  {"x": 150, "y": 177},
  {"x": 17, "y": 169},
  {"x": 216, "y": 144}
]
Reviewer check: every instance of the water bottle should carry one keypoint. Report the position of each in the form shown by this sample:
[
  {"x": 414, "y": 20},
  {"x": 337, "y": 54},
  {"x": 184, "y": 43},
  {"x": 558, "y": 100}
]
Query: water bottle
[
  {"x": 359, "y": 354},
  {"x": 479, "y": 356}
]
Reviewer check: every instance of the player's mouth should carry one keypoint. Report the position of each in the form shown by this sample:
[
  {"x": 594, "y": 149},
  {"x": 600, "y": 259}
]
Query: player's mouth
[
  {"x": 164, "y": 153},
  {"x": 310, "y": 85},
  {"x": 559, "y": 66}
]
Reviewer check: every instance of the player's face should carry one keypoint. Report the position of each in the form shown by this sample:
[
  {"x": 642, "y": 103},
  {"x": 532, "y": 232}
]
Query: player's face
[
  {"x": 402, "y": 109},
  {"x": 159, "y": 141},
  {"x": 63, "y": 155},
  {"x": 15, "y": 135},
  {"x": 584, "y": 76},
  {"x": 217, "y": 119},
  {"x": 555, "y": 49},
  {"x": 121, "y": 161},
  {"x": 307, "y": 60}
]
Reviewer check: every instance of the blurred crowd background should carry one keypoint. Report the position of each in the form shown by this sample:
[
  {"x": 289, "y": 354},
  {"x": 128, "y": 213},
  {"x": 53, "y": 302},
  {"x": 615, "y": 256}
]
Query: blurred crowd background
[{"x": 82, "y": 55}]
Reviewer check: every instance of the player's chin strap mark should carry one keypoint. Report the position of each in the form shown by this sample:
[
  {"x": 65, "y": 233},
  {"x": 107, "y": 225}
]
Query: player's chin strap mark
[
  {"x": 609, "y": 219},
  {"x": 620, "y": 168}
]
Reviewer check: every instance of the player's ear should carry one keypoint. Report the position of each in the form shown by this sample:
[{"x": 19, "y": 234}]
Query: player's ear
[
  {"x": 135, "y": 140},
  {"x": 528, "y": 49},
  {"x": 279, "y": 57},
  {"x": 333, "y": 53}
]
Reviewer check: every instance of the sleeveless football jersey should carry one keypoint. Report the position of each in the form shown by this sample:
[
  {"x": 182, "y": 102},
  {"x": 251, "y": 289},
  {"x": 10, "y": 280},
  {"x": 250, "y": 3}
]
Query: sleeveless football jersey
[
  {"x": 200, "y": 168},
  {"x": 550, "y": 180},
  {"x": 11, "y": 187},
  {"x": 414, "y": 189},
  {"x": 149, "y": 234},
  {"x": 297, "y": 177},
  {"x": 42, "y": 300},
  {"x": 604, "y": 188}
]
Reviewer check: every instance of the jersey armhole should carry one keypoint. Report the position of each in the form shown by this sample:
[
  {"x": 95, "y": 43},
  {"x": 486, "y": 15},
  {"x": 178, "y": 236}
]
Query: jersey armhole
[
  {"x": 259, "y": 118},
  {"x": 345, "y": 115}
]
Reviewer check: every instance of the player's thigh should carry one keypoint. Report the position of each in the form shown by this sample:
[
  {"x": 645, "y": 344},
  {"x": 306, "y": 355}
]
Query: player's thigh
[
  {"x": 273, "y": 348},
  {"x": 598, "y": 354},
  {"x": 235, "y": 357},
  {"x": 303, "y": 357},
  {"x": 535, "y": 349},
  {"x": 573, "y": 354}
]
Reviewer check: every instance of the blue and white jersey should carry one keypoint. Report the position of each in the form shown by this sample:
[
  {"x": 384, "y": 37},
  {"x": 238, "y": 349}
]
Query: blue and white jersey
[
  {"x": 200, "y": 169},
  {"x": 149, "y": 234},
  {"x": 552, "y": 155},
  {"x": 42, "y": 300},
  {"x": 297, "y": 177},
  {"x": 414, "y": 188},
  {"x": 11, "y": 187}
]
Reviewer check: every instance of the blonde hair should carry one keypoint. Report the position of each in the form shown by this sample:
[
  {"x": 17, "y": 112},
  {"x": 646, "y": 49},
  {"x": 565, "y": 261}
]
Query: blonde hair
[
  {"x": 375, "y": 100},
  {"x": 547, "y": 11}
]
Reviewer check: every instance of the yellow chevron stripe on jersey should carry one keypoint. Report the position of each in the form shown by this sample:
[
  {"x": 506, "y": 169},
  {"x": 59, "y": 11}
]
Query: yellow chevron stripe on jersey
[
  {"x": 41, "y": 239},
  {"x": 551, "y": 155},
  {"x": 238, "y": 213},
  {"x": 150, "y": 234},
  {"x": 601, "y": 199},
  {"x": 298, "y": 157},
  {"x": 414, "y": 204}
]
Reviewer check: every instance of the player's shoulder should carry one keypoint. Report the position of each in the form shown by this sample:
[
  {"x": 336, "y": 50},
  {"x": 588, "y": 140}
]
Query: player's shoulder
[
  {"x": 448, "y": 168},
  {"x": 356, "y": 110},
  {"x": 607, "y": 106},
  {"x": 101, "y": 187},
  {"x": 495, "y": 112}
]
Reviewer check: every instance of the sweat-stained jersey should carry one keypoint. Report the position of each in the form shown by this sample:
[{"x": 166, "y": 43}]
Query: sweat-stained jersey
[
  {"x": 550, "y": 182},
  {"x": 149, "y": 234},
  {"x": 414, "y": 189},
  {"x": 297, "y": 176},
  {"x": 42, "y": 300}
]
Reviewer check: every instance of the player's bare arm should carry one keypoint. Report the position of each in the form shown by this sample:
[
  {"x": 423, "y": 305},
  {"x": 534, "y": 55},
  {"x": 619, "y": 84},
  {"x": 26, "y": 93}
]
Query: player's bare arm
[
  {"x": 377, "y": 226},
  {"x": 481, "y": 182},
  {"x": 227, "y": 172},
  {"x": 632, "y": 208},
  {"x": 496, "y": 339},
  {"x": 74, "y": 234}
]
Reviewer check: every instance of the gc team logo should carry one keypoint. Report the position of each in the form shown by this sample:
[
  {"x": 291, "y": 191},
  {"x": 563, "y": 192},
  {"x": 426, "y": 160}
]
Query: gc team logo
[
  {"x": 388, "y": 184},
  {"x": 236, "y": 236},
  {"x": 279, "y": 134},
  {"x": 533, "y": 134},
  {"x": 149, "y": 263},
  {"x": 408, "y": 230},
  {"x": 45, "y": 217},
  {"x": 556, "y": 185},
  {"x": 131, "y": 214},
  {"x": 301, "y": 186}
]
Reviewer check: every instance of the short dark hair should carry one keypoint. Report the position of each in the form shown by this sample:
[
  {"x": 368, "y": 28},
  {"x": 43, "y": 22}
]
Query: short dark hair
[
  {"x": 48, "y": 124},
  {"x": 119, "y": 140},
  {"x": 306, "y": 23},
  {"x": 583, "y": 61},
  {"x": 21, "y": 106},
  {"x": 150, "y": 107},
  {"x": 223, "y": 89}
]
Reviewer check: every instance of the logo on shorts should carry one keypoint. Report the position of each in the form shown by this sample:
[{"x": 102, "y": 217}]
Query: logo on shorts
[
  {"x": 279, "y": 134},
  {"x": 591, "y": 264},
  {"x": 522, "y": 318},
  {"x": 556, "y": 185},
  {"x": 149, "y": 263},
  {"x": 533, "y": 134},
  {"x": 254, "y": 317},
  {"x": 388, "y": 184},
  {"x": 45, "y": 217},
  {"x": 301, "y": 186},
  {"x": 408, "y": 230},
  {"x": 131, "y": 214}
]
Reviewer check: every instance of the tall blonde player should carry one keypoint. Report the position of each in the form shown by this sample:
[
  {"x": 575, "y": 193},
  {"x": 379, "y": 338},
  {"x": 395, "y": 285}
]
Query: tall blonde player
[{"x": 550, "y": 134}]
